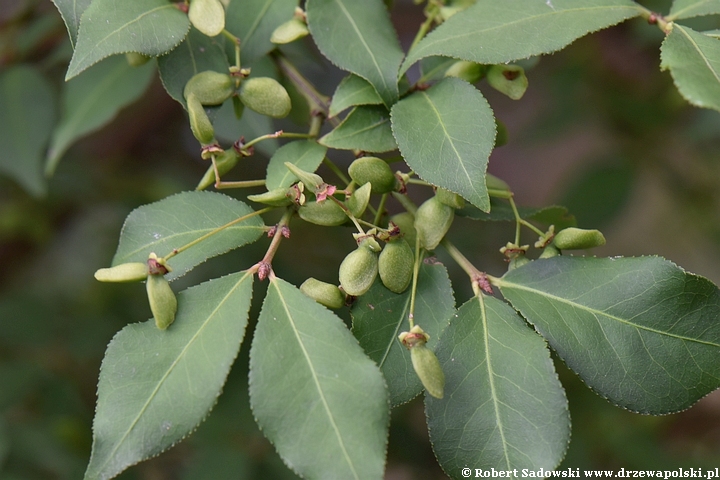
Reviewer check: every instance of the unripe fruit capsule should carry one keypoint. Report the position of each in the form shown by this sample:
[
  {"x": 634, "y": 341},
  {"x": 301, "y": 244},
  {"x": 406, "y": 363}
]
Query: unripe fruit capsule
[
  {"x": 125, "y": 272},
  {"x": 469, "y": 71},
  {"x": 578, "y": 239},
  {"x": 432, "y": 221},
  {"x": 406, "y": 222},
  {"x": 451, "y": 199},
  {"x": 395, "y": 265},
  {"x": 199, "y": 122},
  {"x": 359, "y": 200},
  {"x": 265, "y": 96},
  {"x": 427, "y": 367},
  {"x": 358, "y": 270},
  {"x": 327, "y": 213},
  {"x": 323, "y": 293},
  {"x": 163, "y": 303},
  {"x": 293, "y": 29},
  {"x": 508, "y": 79},
  {"x": 208, "y": 16},
  {"x": 375, "y": 171},
  {"x": 209, "y": 87}
]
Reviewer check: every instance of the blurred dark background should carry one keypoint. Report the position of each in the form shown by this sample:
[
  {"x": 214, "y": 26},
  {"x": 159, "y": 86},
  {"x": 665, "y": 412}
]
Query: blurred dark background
[{"x": 600, "y": 130}]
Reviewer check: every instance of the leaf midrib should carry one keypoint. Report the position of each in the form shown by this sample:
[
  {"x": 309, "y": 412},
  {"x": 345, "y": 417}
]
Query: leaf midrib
[
  {"x": 679, "y": 13},
  {"x": 700, "y": 52}
]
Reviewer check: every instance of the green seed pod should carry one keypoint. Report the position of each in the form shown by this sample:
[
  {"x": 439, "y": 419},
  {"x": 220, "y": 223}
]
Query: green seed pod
[
  {"x": 209, "y": 87},
  {"x": 469, "y": 71},
  {"x": 432, "y": 221},
  {"x": 199, "y": 122},
  {"x": 289, "y": 31},
  {"x": 578, "y": 239},
  {"x": 518, "y": 261},
  {"x": 265, "y": 96},
  {"x": 550, "y": 251},
  {"x": 277, "y": 197},
  {"x": 135, "y": 59},
  {"x": 427, "y": 367},
  {"x": 358, "y": 270},
  {"x": 359, "y": 200},
  {"x": 451, "y": 199},
  {"x": 395, "y": 265},
  {"x": 225, "y": 162},
  {"x": 323, "y": 293},
  {"x": 406, "y": 222},
  {"x": 494, "y": 183},
  {"x": 327, "y": 213},
  {"x": 312, "y": 181},
  {"x": 125, "y": 272},
  {"x": 163, "y": 303},
  {"x": 208, "y": 16},
  {"x": 508, "y": 79},
  {"x": 375, "y": 171}
]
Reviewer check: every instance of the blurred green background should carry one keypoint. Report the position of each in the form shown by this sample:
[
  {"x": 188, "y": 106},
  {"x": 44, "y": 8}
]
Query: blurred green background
[{"x": 600, "y": 130}]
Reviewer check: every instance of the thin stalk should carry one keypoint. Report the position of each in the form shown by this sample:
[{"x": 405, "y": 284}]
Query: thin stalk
[
  {"x": 240, "y": 184},
  {"x": 348, "y": 213},
  {"x": 413, "y": 291},
  {"x": 405, "y": 202},
  {"x": 343, "y": 178},
  {"x": 278, "y": 134},
  {"x": 380, "y": 209}
]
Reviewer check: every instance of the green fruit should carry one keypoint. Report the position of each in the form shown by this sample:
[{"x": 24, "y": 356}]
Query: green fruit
[
  {"x": 225, "y": 162},
  {"x": 208, "y": 16},
  {"x": 495, "y": 183},
  {"x": 126, "y": 272},
  {"x": 323, "y": 293},
  {"x": 289, "y": 31},
  {"x": 375, "y": 171},
  {"x": 578, "y": 239},
  {"x": 395, "y": 265},
  {"x": 327, "y": 213},
  {"x": 550, "y": 251},
  {"x": 432, "y": 221},
  {"x": 359, "y": 200},
  {"x": 136, "y": 59},
  {"x": 508, "y": 79},
  {"x": 469, "y": 71},
  {"x": 265, "y": 96},
  {"x": 199, "y": 122},
  {"x": 277, "y": 197},
  {"x": 210, "y": 87},
  {"x": 451, "y": 199},
  {"x": 406, "y": 222},
  {"x": 163, "y": 303},
  {"x": 358, "y": 270},
  {"x": 427, "y": 367},
  {"x": 518, "y": 261}
]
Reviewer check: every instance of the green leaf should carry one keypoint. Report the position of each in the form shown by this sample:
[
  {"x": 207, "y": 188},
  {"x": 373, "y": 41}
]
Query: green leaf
[
  {"x": 177, "y": 220},
  {"x": 641, "y": 332},
  {"x": 501, "y": 211},
  {"x": 380, "y": 316},
  {"x": 197, "y": 53},
  {"x": 92, "y": 99},
  {"x": 156, "y": 386},
  {"x": 352, "y": 91},
  {"x": 304, "y": 154},
  {"x": 492, "y": 32},
  {"x": 366, "y": 128},
  {"x": 253, "y": 22},
  {"x": 446, "y": 134},
  {"x": 71, "y": 11},
  {"x": 358, "y": 37},
  {"x": 107, "y": 27},
  {"x": 693, "y": 8},
  {"x": 313, "y": 391},
  {"x": 27, "y": 117},
  {"x": 694, "y": 62},
  {"x": 503, "y": 407}
]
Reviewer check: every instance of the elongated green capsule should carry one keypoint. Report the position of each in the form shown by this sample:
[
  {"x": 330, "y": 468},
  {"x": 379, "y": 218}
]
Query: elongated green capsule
[
  {"x": 508, "y": 79},
  {"x": 395, "y": 265},
  {"x": 209, "y": 87},
  {"x": 469, "y": 71},
  {"x": 163, "y": 303},
  {"x": 323, "y": 293},
  {"x": 208, "y": 16},
  {"x": 225, "y": 162},
  {"x": 277, "y": 197},
  {"x": 199, "y": 122},
  {"x": 427, "y": 367},
  {"x": 293, "y": 29},
  {"x": 550, "y": 251},
  {"x": 494, "y": 183},
  {"x": 451, "y": 199},
  {"x": 432, "y": 221},
  {"x": 265, "y": 96},
  {"x": 578, "y": 239},
  {"x": 358, "y": 270},
  {"x": 375, "y": 171},
  {"x": 359, "y": 200},
  {"x": 125, "y": 272},
  {"x": 327, "y": 213}
]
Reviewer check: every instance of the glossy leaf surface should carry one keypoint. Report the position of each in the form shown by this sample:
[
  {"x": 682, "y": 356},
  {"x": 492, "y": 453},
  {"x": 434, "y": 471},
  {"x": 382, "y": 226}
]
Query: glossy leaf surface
[
  {"x": 314, "y": 392},
  {"x": 358, "y": 37},
  {"x": 639, "y": 331},
  {"x": 380, "y": 316},
  {"x": 93, "y": 98},
  {"x": 108, "y": 27},
  {"x": 694, "y": 62},
  {"x": 180, "y": 219},
  {"x": 304, "y": 154},
  {"x": 253, "y": 22},
  {"x": 693, "y": 8},
  {"x": 446, "y": 134},
  {"x": 156, "y": 386},
  {"x": 352, "y": 91},
  {"x": 504, "y": 407},
  {"x": 492, "y": 32},
  {"x": 366, "y": 128}
]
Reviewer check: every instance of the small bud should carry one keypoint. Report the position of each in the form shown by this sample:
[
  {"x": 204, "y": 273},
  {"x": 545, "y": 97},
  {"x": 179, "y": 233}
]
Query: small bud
[
  {"x": 375, "y": 171},
  {"x": 578, "y": 239},
  {"x": 125, "y": 272},
  {"x": 289, "y": 31},
  {"x": 163, "y": 303},
  {"x": 508, "y": 79},
  {"x": 513, "y": 250},
  {"x": 546, "y": 238},
  {"x": 358, "y": 270},
  {"x": 328, "y": 213},
  {"x": 451, "y": 199},
  {"x": 210, "y": 87},
  {"x": 432, "y": 221},
  {"x": 395, "y": 265},
  {"x": 359, "y": 200},
  {"x": 323, "y": 293},
  {"x": 265, "y": 96},
  {"x": 208, "y": 16},
  {"x": 427, "y": 367},
  {"x": 199, "y": 122},
  {"x": 469, "y": 71}
]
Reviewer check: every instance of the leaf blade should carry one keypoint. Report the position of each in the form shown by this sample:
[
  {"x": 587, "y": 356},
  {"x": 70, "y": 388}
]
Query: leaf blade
[
  {"x": 71, "y": 11},
  {"x": 351, "y": 91},
  {"x": 693, "y": 8},
  {"x": 366, "y": 128}
]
